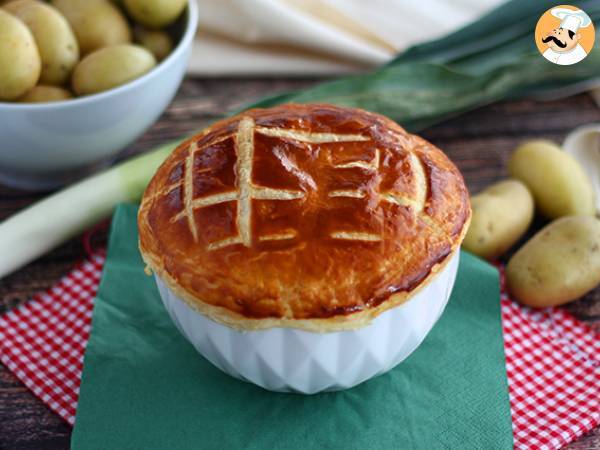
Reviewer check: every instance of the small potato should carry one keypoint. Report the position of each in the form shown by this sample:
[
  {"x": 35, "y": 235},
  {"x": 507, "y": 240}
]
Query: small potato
[
  {"x": 501, "y": 215},
  {"x": 159, "y": 43},
  {"x": 559, "y": 185},
  {"x": 20, "y": 63},
  {"x": 111, "y": 66},
  {"x": 42, "y": 94},
  {"x": 155, "y": 13},
  {"x": 54, "y": 38},
  {"x": 97, "y": 23},
  {"x": 559, "y": 264}
]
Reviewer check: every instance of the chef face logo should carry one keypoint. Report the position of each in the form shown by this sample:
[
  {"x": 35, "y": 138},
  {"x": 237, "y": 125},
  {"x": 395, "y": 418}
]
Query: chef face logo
[
  {"x": 564, "y": 35},
  {"x": 561, "y": 40}
]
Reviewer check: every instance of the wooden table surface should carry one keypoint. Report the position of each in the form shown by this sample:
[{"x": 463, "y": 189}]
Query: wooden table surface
[{"x": 478, "y": 142}]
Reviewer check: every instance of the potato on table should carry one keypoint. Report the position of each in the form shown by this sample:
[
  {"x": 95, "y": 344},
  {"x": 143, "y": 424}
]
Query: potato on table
[
  {"x": 559, "y": 185},
  {"x": 501, "y": 215},
  {"x": 53, "y": 36},
  {"x": 20, "y": 63},
  {"x": 559, "y": 264}
]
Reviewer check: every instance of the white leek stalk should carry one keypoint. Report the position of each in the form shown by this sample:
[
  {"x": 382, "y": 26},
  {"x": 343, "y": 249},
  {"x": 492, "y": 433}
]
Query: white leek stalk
[{"x": 56, "y": 219}]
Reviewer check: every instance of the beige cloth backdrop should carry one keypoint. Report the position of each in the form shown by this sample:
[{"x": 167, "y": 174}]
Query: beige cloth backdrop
[{"x": 318, "y": 37}]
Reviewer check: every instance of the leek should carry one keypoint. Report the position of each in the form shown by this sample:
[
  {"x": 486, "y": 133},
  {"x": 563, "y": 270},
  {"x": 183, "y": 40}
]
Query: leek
[{"x": 56, "y": 219}]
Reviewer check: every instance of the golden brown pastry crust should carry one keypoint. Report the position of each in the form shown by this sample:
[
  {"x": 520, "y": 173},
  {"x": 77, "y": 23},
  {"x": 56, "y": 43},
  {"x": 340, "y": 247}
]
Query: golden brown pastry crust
[{"x": 309, "y": 216}]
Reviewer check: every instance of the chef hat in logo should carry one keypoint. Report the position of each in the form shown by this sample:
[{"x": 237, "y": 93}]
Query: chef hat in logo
[{"x": 570, "y": 19}]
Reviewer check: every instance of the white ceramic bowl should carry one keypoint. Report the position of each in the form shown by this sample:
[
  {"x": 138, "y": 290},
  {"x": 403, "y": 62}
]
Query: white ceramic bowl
[
  {"x": 583, "y": 143},
  {"x": 291, "y": 360},
  {"x": 45, "y": 145}
]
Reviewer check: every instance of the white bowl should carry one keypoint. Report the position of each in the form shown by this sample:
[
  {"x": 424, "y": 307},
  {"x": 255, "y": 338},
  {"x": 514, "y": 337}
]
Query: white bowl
[
  {"x": 292, "y": 360},
  {"x": 583, "y": 143},
  {"x": 45, "y": 145}
]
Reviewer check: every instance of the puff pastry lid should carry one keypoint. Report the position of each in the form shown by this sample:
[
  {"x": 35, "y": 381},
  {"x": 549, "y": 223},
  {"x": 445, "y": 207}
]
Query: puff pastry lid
[{"x": 310, "y": 216}]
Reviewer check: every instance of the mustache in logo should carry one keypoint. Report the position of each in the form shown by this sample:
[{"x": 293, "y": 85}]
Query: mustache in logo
[{"x": 555, "y": 40}]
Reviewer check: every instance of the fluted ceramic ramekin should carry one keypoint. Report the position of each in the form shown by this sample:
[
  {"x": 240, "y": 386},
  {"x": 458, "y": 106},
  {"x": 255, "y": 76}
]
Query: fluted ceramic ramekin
[{"x": 293, "y": 360}]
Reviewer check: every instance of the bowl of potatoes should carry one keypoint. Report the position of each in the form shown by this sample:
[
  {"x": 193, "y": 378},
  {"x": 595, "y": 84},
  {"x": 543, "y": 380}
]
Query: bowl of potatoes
[{"x": 82, "y": 79}]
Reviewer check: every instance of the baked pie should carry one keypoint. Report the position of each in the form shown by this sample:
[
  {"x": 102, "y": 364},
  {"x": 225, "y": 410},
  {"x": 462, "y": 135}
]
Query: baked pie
[{"x": 309, "y": 216}]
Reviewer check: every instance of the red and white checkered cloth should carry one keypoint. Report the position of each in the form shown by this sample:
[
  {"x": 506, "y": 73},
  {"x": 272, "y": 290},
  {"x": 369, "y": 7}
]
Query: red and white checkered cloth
[
  {"x": 43, "y": 341},
  {"x": 552, "y": 359}
]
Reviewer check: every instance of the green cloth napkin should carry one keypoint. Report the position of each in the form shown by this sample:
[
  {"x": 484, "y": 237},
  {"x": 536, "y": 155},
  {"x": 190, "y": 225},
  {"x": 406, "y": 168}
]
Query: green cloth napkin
[{"x": 145, "y": 387}]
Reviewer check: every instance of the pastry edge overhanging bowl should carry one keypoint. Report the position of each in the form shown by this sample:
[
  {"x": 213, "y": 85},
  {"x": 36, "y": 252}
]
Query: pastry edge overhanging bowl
[
  {"x": 339, "y": 303},
  {"x": 338, "y": 323}
]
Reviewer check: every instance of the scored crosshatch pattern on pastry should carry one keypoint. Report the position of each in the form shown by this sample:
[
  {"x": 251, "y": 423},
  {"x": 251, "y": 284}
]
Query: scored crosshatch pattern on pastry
[
  {"x": 247, "y": 190},
  {"x": 416, "y": 204}
]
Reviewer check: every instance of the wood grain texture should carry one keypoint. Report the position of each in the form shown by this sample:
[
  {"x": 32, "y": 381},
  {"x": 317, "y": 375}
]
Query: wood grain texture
[{"x": 478, "y": 142}]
